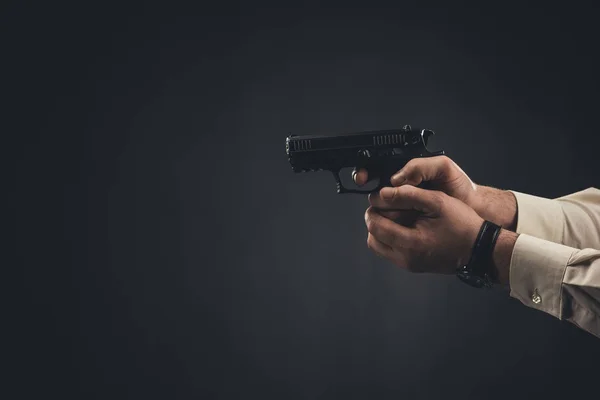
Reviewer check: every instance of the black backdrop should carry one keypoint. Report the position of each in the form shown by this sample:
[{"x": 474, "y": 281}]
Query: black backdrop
[{"x": 168, "y": 251}]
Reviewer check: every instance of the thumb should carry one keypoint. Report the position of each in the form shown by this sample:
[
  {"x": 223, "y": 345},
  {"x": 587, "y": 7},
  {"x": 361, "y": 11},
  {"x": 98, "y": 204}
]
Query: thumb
[
  {"x": 408, "y": 197},
  {"x": 422, "y": 169}
]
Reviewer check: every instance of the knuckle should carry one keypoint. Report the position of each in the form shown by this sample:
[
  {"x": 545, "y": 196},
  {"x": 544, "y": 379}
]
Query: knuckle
[
  {"x": 373, "y": 228},
  {"x": 371, "y": 221},
  {"x": 447, "y": 165},
  {"x": 439, "y": 199},
  {"x": 410, "y": 164},
  {"x": 370, "y": 241},
  {"x": 374, "y": 199},
  {"x": 446, "y": 162},
  {"x": 367, "y": 219},
  {"x": 412, "y": 167}
]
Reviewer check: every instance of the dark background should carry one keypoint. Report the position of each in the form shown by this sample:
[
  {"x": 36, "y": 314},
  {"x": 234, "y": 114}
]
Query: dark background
[{"x": 166, "y": 250}]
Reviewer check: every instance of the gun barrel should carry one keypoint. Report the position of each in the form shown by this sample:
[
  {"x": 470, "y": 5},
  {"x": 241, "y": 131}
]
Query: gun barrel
[
  {"x": 382, "y": 138},
  {"x": 310, "y": 153}
]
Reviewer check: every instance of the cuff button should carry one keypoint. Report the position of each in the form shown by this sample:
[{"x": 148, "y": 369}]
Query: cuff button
[{"x": 536, "y": 298}]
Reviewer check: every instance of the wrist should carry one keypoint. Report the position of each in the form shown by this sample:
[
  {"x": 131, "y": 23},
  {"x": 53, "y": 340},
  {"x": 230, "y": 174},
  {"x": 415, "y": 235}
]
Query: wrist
[
  {"x": 497, "y": 206},
  {"x": 502, "y": 254}
]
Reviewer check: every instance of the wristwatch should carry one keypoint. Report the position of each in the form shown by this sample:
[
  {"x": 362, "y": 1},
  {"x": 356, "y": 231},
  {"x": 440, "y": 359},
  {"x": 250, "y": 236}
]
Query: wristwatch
[{"x": 479, "y": 271}]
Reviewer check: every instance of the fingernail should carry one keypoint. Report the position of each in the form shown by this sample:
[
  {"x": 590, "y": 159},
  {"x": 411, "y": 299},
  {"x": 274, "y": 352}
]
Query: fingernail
[
  {"x": 386, "y": 192},
  {"x": 398, "y": 178}
]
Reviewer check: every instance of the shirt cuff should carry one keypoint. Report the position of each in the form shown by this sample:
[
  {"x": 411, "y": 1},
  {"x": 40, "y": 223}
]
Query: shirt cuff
[
  {"x": 537, "y": 268},
  {"x": 539, "y": 217}
]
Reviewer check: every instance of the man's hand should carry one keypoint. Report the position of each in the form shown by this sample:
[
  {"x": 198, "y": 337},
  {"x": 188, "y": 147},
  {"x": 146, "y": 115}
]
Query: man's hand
[
  {"x": 445, "y": 175},
  {"x": 440, "y": 238}
]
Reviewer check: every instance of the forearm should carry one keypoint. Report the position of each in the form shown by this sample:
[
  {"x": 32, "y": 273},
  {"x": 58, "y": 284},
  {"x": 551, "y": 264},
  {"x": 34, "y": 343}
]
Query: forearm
[
  {"x": 502, "y": 254},
  {"x": 497, "y": 206}
]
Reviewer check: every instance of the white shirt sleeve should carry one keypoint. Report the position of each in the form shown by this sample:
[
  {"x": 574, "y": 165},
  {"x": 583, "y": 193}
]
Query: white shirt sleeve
[{"x": 555, "y": 265}]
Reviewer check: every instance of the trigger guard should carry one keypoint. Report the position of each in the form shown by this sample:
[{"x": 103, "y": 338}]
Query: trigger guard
[{"x": 341, "y": 189}]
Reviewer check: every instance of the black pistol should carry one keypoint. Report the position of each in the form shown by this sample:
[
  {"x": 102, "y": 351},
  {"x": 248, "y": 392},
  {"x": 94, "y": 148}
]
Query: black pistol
[{"x": 382, "y": 153}]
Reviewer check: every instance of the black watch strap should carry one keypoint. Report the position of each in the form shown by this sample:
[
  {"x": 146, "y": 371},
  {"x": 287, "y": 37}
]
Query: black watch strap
[{"x": 479, "y": 271}]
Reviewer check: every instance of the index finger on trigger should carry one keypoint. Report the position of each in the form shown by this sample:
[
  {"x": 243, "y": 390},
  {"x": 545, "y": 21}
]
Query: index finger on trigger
[{"x": 360, "y": 176}]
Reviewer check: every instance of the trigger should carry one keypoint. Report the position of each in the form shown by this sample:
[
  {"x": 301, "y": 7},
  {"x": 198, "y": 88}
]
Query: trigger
[{"x": 341, "y": 189}]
